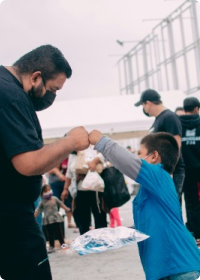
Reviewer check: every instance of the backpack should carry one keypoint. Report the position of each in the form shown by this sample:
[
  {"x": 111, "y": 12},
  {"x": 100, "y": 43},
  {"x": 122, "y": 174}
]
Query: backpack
[{"x": 116, "y": 192}]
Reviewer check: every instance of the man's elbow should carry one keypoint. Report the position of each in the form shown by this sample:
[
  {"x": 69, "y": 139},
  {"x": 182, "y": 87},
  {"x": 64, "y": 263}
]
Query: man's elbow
[{"x": 23, "y": 167}]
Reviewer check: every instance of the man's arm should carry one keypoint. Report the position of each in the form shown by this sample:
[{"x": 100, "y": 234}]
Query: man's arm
[
  {"x": 173, "y": 125},
  {"x": 58, "y": 173},
  {"x": 65, "y": 192},
  {"x": 41, "y": 161},
  {"x": 178, "y": 139}
]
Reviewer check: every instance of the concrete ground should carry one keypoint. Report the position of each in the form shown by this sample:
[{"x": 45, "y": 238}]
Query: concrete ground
[
  {"x": 117, "y": 264},
  {"x": 120, "y": 264}
]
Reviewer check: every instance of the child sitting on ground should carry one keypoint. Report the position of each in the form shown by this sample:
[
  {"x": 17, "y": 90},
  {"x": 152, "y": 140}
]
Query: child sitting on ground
[
  {"x": 52, "y": 220},
  {"x": 171, "y": 252}
]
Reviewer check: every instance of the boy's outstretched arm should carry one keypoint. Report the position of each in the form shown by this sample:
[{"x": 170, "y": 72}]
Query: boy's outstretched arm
[{"x": 125, "y": 161}]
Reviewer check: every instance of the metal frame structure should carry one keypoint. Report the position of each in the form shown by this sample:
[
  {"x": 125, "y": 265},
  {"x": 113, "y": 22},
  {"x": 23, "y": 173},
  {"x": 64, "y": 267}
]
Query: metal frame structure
[{"x": 166, "y": 59}]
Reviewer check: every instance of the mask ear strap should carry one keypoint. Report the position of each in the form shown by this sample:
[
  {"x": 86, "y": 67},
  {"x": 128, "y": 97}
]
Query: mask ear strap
[{"x": 43, "y": 80}]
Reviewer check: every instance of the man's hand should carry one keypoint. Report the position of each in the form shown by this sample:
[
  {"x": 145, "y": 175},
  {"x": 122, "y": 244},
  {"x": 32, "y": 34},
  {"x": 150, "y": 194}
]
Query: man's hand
[
  {"x": 64, "y": 195},
  {"x": 78, "y": 138},
  {"x": 94, "y": 137}
]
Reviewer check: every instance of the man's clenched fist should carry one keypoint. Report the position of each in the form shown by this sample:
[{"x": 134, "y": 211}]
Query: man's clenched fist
[
  {"x": 94, "y": 137},
  {"x": 78, "y": 138}
]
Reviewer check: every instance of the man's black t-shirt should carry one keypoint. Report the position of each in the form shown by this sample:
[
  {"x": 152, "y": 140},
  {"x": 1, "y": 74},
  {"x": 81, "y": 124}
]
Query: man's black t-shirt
[
  {"x": 20, "y": 132},
  {"x": 169, "y": 122}
]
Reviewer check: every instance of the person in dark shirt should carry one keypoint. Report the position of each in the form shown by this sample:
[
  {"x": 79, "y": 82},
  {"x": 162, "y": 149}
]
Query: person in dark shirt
[
  {"x": 179, "y": 111},
  {"x": 29, "y": 85},
  {"x": 191, "y": 155},
  {"x": 165, "y": 121}
]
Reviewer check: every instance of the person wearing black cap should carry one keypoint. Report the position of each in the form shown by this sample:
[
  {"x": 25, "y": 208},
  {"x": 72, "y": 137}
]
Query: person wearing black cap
[
  {"x": 191, "y": 155},
  {"x": 165, "y": 121}
]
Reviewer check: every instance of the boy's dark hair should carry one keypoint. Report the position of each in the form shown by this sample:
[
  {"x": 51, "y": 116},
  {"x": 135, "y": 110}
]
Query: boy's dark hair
[
  {"x": 44, "y": 188},
  {"x": 166, "y": 146},
  {"x": 47, "y": 59}
]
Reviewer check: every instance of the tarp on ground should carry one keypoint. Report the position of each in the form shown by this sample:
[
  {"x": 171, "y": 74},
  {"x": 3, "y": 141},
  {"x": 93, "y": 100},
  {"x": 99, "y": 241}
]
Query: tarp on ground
[{"x": 111, "y": 114}]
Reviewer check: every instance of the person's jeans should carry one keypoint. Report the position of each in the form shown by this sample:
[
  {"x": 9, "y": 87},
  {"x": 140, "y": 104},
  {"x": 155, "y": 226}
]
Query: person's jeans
[
  {"x": 192, "y": 200},
  {"x": 54, "y": 230},
  {"x": 178, "y": 182},
  {"x": 23, "y": 251},
  {"x": 39, "y": 217},
  {"x": 86, "y": 202},
  {"x": 193, "y": 275},
  {"x": 57, "y": 188}
]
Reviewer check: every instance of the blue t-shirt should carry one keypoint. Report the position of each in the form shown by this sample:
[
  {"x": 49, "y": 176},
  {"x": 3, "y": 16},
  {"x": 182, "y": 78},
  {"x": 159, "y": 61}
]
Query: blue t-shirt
[{"x": 171, "y": 249}]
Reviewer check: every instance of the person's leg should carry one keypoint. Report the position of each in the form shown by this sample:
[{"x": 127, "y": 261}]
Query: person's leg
[
  {"x": 192, "y": 202},
  {"x": 57, "y": 188},
  {"x": 50, "y": 231},
  {"x": 115, "y": 212},
  {"x": 68, "y": 203},
  {"x": 178, "y": 182},
  {"x": 39, "y": 217},
  {"x": 26, "y": 258},
  {"x": 58, "y": 233},
  {"x": 99, "y": 214},
  {"x": 112, "y": 220},
  {"x": 83, "y": 210}
]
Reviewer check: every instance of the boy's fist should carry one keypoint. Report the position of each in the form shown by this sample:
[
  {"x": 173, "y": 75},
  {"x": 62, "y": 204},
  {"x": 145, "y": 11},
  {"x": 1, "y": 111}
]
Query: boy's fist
[{"x": 94, "y": 137}]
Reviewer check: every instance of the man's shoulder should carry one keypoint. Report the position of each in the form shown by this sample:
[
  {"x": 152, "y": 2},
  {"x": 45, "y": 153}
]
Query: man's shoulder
[
  {"x": 167, "y": 113},
  {"x": 165, "y": 118},
  {"x": 10, "y": 91}
]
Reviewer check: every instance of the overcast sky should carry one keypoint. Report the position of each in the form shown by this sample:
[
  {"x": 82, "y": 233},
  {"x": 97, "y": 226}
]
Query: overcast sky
[{"x": 84, "y": 30}]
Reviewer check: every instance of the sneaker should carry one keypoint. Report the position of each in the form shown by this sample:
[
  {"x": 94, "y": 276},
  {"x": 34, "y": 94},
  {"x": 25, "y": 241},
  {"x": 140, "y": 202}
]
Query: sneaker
[
  {"x": 50, "y": 250},
  {"x": 64, "y": 246},
  {"x": 198, "y": 243},
  {"x": 71, "y": 226}
]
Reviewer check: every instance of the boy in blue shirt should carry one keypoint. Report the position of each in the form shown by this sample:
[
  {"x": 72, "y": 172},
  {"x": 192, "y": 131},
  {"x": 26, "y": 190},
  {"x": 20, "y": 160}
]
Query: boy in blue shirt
[{"x": 171, "y": 252}]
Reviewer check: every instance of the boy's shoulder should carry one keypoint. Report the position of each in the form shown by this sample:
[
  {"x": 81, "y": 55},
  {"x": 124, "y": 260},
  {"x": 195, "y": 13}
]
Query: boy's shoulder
[{"x": 153, "y": 177}]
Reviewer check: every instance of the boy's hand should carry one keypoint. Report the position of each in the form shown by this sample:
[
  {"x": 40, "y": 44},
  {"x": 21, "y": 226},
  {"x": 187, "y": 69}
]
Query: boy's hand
[{"x": 94, "y": 137}]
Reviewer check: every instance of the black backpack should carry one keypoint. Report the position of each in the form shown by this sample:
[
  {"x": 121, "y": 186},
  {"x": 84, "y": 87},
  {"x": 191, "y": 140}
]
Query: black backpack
[{"x": 116, "y": 192}]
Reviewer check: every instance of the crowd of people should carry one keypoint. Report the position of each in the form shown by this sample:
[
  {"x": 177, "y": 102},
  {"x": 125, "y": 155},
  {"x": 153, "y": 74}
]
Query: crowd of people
[{"x": 166, "y": 166}]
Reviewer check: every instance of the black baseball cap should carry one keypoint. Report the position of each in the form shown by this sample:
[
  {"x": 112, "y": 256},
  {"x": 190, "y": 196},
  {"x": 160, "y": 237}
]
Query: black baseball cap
[
  {"x": 190, "y": 103},
  {"x": 148, "y": 95}
]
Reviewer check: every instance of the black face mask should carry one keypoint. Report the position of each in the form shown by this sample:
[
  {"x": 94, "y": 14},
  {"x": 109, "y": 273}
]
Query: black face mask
[
  {"x": 146, "y": 114},
  {"x": 42, "y": 103}
]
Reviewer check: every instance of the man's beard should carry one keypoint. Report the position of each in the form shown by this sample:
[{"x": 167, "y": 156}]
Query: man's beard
[{"x": 36, "y": 92}]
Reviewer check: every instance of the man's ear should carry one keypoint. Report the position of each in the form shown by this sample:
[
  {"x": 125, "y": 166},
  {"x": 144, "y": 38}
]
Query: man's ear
[
  {"x": 36, "y": 78},
  {"x": 155, "y": 157},
  {"x": 196, "y": 110}
]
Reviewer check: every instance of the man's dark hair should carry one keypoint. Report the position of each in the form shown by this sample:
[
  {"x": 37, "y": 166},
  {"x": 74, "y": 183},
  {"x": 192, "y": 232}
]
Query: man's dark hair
[
  {"x": 190, "y": 103},
  {"x": 156, "y": 102},
  {"x": 166, "y": 146},
  {"x": 47, "y": 59},
  {"x": 179, "y": 109}
]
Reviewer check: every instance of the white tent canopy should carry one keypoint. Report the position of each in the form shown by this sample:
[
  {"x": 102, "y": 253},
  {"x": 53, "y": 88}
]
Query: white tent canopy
[{"x": 111, "y": 114}]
